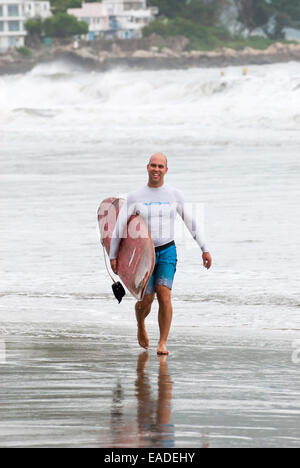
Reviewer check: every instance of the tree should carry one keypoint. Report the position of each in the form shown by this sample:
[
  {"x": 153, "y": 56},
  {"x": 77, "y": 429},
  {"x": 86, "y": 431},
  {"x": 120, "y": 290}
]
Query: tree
[
  {"x": 34, "y": 27},
  {"x": 259, "y": 13},
  {"x": 63, "y": 5},
  {"x": 291, "y": 8},
  {"x": 253, "y": 13},
  {"x": 205, "y": 12},
  {"x": 64, "y": 25},
  {"x": 170, "y": 9}
]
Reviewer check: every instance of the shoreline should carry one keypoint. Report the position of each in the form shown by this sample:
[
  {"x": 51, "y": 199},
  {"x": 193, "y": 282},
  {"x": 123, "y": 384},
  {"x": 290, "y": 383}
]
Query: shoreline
[{"x": 168, "y": 58}]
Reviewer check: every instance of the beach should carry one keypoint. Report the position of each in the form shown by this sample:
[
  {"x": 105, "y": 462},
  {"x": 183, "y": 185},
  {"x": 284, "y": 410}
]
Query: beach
[
  {"x": 72, "y": 373},
  {"x": 85, "y": 386}
]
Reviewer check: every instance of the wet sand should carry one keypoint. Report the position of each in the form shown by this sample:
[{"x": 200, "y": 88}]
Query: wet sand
[{"x": 83, "y": 385}]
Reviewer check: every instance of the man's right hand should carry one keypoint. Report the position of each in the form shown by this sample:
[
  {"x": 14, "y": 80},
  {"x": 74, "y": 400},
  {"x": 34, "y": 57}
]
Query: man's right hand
[
  {"x": 114, "y": 266},
  {"x": 207, "y": 261}
]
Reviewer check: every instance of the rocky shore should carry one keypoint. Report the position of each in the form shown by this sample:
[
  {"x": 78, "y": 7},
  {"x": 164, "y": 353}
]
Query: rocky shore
[{"x": 147, "y": 53}]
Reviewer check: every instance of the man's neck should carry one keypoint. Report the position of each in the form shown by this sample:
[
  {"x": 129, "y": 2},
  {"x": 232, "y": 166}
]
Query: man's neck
[{"x": 155, "y": 186}]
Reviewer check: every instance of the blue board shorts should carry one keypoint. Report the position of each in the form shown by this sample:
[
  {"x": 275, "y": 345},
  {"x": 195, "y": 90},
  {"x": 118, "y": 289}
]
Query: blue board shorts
[{"x": 165, "y": 267}]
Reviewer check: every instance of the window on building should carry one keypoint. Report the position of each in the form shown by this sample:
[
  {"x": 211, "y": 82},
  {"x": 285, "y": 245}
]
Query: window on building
[
  {"x": 1, "y": 10},
  {"x": 14, "y": 25},
  {"x": 12, "y": 41},
  {"x": 1, "y": 26},
  {"x": 87, "y": 20},
  {"x": 13, "y": 10}
]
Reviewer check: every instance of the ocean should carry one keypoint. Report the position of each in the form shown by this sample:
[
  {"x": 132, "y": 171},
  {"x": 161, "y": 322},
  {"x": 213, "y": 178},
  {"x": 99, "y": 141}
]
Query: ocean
[{"x": 72, "y": 374}]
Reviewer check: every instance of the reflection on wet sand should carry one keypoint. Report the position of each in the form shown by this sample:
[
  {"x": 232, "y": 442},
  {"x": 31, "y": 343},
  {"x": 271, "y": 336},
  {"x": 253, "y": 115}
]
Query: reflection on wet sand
[
  {"x": 152, "y": 427},
  {"x": 153, "y": 416}
]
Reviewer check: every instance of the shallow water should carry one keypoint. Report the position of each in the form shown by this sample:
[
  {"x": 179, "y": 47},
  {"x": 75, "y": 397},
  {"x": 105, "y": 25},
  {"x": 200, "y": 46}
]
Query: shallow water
[{"x": 68, "y": 351}]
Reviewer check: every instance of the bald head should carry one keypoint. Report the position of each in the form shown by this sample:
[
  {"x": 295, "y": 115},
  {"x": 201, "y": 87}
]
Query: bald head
[
  {"x": 159, "y": 157},
  {"x": 157, "y": 169}
]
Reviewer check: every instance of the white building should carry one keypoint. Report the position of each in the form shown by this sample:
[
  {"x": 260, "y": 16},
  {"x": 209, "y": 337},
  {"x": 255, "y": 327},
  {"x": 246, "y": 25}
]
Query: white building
[
  {"x": 128, "y": 17},
  {"x": 292, "y": 34},
  {"x": 95, "y": 15},
  {"x": 13, "y": 15},
  {"x": 12, "y": 18},
  {"x": 37, "y": 9},
  {"x": 115, "y": 18}
]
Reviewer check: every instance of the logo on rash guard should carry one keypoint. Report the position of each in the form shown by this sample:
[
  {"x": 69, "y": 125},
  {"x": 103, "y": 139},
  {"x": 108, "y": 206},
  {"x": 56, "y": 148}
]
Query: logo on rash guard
[{"x": 156, "y": 203}]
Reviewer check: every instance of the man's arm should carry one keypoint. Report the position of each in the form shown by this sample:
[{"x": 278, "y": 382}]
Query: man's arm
[{"x": 191, "y": 223}]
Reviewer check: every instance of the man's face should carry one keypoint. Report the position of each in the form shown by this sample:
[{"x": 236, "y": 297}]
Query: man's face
[{"x": 157, "y": 169}]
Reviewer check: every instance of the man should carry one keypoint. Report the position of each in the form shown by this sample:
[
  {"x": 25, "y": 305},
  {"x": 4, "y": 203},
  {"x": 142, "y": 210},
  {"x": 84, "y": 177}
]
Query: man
[{"x": 158, "y": 205}]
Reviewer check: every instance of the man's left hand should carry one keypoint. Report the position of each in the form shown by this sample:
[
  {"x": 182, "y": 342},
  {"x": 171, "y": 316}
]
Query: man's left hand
[
  {"x": 114, "y": 266},
  {"x": 207, "y": 260}
]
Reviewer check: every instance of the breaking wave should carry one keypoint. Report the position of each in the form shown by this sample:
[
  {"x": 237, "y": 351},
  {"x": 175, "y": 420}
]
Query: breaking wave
[{"x": 207, "y": 96}]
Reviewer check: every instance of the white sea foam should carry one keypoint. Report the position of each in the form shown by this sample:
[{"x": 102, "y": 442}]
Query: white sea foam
[{"x": 267, "y": 97}]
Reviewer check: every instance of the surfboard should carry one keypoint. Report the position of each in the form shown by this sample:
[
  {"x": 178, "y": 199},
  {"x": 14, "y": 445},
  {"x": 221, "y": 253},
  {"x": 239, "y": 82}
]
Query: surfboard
[{"x": 136, "y": 257}]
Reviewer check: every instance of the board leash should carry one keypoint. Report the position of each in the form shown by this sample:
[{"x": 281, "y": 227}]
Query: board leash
[
  {"x": 106, "y": 264},
  {"x": 118, "y": 290}
]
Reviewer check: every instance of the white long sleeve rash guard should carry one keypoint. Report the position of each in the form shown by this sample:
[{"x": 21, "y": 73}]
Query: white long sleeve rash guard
[{"x": 158, "y": 207}]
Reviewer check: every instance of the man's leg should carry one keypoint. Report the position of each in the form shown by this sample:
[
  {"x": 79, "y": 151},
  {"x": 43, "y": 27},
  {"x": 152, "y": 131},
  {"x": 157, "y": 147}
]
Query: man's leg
[
  {"x": 165, "y": 313},
  {"x": 142, "y": 309}
]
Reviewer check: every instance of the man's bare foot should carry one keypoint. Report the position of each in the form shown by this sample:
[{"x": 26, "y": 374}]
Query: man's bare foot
[
  {"x": 142, "y": 337},
  {"x": 162, "y": 349}
]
